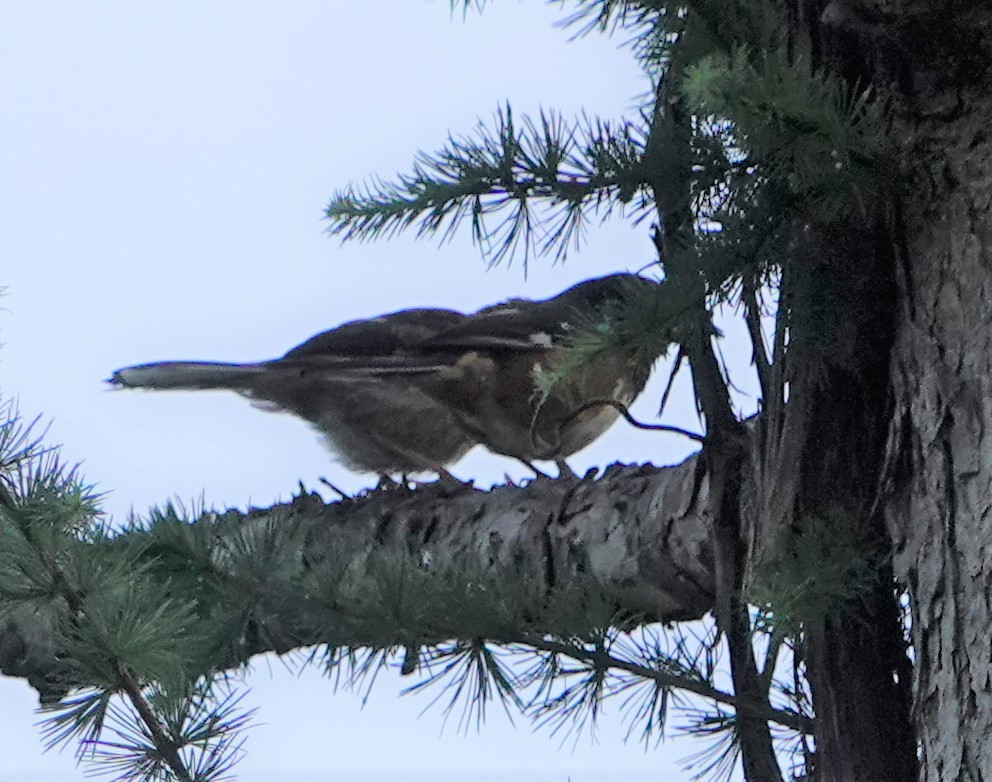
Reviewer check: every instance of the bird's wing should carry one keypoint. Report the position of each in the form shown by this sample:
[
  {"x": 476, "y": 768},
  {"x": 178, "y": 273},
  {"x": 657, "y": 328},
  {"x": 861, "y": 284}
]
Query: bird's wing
[
  {"x": 389, "y": 345},
  {"x": 516, "y": 326},
  {"x": 523, "y": 325},
  {"x": 380, "y": 337}
]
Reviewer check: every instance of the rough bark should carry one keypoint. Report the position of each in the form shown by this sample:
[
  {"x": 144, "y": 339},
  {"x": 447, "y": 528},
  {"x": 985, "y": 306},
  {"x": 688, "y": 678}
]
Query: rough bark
[
  {"x": 940, "y": 512},
  {"x": 939, "y": 459},
  {"x": 922, "y": 335},
  {"x": 404, "y": 567},
  {"x": 821, "y": 458},
  {"x": 839, "y": 411}
]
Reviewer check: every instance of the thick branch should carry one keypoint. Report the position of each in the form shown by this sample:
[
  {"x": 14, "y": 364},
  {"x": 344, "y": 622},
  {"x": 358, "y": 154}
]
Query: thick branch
[{"x": 399, "y": 567}]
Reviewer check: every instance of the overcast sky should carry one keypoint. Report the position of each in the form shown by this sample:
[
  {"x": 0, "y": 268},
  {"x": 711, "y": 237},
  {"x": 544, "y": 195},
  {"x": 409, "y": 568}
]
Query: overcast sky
[{"x": 163, "y": 170}]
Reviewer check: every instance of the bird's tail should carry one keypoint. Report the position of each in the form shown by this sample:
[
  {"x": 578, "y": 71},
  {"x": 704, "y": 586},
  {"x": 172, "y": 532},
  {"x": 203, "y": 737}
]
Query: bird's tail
[{"x": 189, "y": 375}]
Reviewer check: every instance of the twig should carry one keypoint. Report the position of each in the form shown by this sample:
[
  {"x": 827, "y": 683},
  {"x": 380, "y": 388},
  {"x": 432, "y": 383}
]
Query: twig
[
  {"x": 752, "y": 316},
  {"x": 335, "y": 489},
  {"x": 622, "y": 409},
  {"x": 679, "y": 358},
  {"x": 764, "y": 710},
  {"x": 165, "y": 745}
]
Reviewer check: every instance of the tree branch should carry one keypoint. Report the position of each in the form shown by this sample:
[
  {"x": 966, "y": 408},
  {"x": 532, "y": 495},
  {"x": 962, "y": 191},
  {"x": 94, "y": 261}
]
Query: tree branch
[
  {"x": 575, "y": 168},
  {"x": 752, "y": 317},
  {"x": 164, "y": 744},
  {"x": 724, "y": 452},
  {"x": 400, "y": 567},
  {"x": 625, "y": 413},
  {"x": 759, "y": 710}
]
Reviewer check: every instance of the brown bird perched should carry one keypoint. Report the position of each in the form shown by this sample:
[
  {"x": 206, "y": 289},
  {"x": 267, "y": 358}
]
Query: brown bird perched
[{"x": 414, "y": 390}]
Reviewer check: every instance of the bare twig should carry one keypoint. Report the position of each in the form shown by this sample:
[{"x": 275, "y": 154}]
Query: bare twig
[
  {"x": 679, "y": 358},
  {"x": 752, "y": 316},
  {"x": 622, "y": 409}
]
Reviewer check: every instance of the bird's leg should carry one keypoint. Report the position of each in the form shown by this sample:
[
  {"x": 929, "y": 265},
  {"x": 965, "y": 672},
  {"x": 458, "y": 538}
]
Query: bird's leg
[{"x": 564, "y": 471}]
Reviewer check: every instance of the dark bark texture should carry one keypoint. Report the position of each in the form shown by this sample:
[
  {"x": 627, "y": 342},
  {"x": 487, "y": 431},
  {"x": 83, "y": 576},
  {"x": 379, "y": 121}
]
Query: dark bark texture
[
  {"x": 892, "y": 425},
  {"x": 839, "y": 410},
  {"x": 939, "y": 459},
  {"x": 822, "y": 457},
  {"x": 940, "y": 512}
]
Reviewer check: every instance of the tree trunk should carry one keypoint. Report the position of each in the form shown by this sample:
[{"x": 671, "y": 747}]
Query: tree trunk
[
  {"x": 938, "y": 464},
  {"x": 926, "y": 327},
  {"x": 940, "y": 511},
  {"x": 820, "y": 470}
]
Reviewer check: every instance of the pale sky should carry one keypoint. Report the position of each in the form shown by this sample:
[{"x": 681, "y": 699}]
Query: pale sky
[{"x": 163, "y": 170}]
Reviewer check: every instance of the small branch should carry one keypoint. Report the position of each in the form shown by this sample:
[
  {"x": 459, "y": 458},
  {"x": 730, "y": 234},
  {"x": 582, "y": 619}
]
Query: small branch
[
  {"x": 752, "y": 316},
  {"x": 777, "y": 395},
  {"x": 764, "y": 710},
  {"x": 725, "y": 453},
  {"x": 576, "y": 167},
  {"x": 622, "y": 409},
  {"x": 342, "y": 494},
  {"x": 74, "y": 600},
  {"x": 165, "y": 745},
  {"x": 767, "y": 675},
  {"x": 679, "y": 358}
]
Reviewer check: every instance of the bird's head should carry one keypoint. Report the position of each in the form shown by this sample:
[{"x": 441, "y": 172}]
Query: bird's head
[{"x": 613, "y": 304}]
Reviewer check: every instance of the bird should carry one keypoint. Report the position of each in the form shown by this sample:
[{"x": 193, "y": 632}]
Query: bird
[
  {"x": 521, "y": 387},
  {"x": 358, "y": 384},
  {"x": 414, "y": 390}
]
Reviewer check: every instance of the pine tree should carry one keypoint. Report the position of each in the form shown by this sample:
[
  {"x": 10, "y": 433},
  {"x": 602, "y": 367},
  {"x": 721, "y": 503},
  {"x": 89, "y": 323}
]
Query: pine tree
[{"x": 821, "y": 164}]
